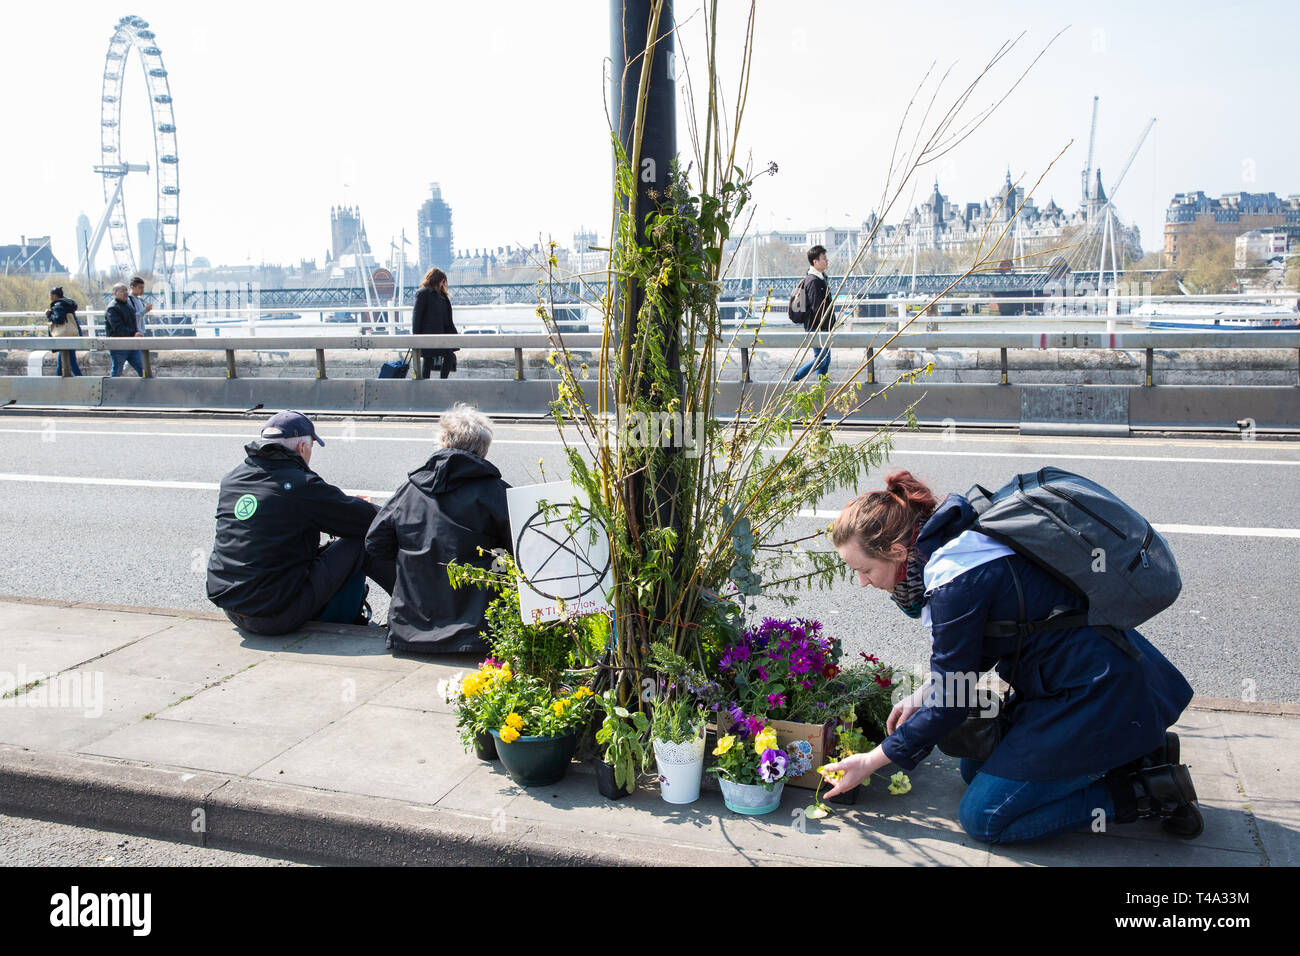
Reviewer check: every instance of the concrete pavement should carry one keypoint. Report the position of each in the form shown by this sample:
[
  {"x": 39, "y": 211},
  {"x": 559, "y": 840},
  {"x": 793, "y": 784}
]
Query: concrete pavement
[{"x": 323, "y": 746}]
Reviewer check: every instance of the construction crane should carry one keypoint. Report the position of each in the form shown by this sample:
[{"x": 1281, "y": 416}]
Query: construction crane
[{"x": 1092, "y": 140}]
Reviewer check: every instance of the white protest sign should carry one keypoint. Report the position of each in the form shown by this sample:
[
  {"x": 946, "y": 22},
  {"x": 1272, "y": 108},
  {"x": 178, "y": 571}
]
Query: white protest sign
[{"x": 561, "y": 551}]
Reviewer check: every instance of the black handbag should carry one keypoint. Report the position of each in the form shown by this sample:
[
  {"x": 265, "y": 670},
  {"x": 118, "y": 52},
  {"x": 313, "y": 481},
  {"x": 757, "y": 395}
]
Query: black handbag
[{"x": 990, "y": 718}]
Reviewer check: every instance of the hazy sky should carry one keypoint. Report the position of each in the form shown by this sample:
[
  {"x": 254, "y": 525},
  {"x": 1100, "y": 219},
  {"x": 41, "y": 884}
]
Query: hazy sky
[{"x": 285, "y": 109}]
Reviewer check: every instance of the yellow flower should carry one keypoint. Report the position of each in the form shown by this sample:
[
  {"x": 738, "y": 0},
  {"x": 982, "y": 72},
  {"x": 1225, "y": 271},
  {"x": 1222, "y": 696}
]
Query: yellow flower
[
  {"x": 766, "y": 740},
  {"x": 515, "y": 721},
  {"x": 505, "y": 672},
  {"x": 558, "y": 707},
  {"x": 472, "y": 684},
  {"x": 581, "y": 692},
  {"x": 509, "y": 734},
  {"x": 724, "y": 744}
]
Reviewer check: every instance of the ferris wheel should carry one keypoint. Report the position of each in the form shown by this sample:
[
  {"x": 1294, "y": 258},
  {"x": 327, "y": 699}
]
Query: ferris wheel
[{"x": 133, "y": 34}]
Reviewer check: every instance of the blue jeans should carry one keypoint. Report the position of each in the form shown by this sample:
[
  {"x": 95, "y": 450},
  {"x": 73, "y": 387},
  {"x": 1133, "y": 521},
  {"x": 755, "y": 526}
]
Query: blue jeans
[
  {"x": 72, "y": 363},
  {"x": 999, "y": 810},
  {"x": 821, "y": 359},
  {"x": 123, "y": 357}
]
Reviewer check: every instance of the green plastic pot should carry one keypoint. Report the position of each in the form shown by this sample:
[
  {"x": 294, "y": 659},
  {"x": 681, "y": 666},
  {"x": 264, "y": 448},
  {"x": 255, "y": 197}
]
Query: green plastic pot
[{"x": 537, "y": 761}]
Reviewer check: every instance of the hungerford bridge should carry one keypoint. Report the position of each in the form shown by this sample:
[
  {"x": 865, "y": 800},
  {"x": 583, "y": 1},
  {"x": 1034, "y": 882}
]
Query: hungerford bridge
[{"x": 1046, "y": 283}]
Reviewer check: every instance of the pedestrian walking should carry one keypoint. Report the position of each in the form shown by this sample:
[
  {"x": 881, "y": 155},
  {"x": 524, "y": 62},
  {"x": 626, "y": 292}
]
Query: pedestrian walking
[
  {"x": 432, "y": 316},
  {"x": 819, "y": 313},
  {"x": 1087, "y": 724},
  {"x": 138, "y": 304},
  {"x": 62, "y": 316},
  {"x": 119, "y": 323}
]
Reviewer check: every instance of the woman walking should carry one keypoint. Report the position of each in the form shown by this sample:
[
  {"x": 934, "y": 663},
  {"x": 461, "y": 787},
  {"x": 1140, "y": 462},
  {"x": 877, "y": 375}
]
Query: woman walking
[
  {"x": 1087, "y": 724},
  {"x": 62, "y": 316},
  {"x": 432, "y": 316}
]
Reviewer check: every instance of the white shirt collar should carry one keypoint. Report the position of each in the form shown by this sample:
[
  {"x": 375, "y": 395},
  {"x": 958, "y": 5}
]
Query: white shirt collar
[{"x": 815, "y": 272}]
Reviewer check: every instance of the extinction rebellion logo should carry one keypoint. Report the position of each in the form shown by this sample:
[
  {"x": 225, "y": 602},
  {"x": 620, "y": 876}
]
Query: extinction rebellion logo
[{"x": 245, "y": 507}]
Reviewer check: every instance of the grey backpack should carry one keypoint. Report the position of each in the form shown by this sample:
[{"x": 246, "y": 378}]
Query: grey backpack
[{"x": 1090, "y": 540}]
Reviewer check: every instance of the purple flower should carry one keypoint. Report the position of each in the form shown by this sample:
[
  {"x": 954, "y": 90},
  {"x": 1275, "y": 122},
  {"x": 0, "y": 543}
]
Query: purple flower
[
  {"x": 762, "y": 673},
  {"x": 775, "y": 700},
  {"x": 737, "y": 715},
  {"x": 772, "y": 765},
  {"x": 753, "y": 726}
]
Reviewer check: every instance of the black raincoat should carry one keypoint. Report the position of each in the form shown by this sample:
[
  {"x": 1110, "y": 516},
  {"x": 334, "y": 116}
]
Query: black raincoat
[{"x": 452, "y": 505}]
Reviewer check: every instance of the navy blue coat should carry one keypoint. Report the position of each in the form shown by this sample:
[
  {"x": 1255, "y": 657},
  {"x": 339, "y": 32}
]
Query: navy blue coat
[{"x": 1081, "y": 705}]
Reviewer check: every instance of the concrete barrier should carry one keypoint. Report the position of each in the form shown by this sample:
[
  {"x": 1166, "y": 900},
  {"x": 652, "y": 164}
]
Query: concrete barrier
[{"x": 1041, "y": 409}]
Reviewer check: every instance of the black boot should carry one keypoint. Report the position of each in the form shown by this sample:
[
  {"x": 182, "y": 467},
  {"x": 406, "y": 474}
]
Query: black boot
[{"x": 1162, "y": 792}]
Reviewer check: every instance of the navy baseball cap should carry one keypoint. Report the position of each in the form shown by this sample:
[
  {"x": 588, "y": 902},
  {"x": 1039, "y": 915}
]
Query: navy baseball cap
[{"x": 290, "y": 425}]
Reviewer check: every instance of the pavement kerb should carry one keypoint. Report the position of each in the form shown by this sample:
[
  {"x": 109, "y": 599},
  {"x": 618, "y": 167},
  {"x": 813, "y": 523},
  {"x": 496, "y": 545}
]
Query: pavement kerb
[
  {"x": 235, "y": 813},
  {"x": 232, "y": 812}
]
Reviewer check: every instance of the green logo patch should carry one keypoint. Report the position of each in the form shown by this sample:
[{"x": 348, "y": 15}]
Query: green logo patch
[{"x": 245, "y": 507}]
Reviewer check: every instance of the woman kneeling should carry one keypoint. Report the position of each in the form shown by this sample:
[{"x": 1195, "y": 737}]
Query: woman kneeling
[{"x": 1086, "y": 731}]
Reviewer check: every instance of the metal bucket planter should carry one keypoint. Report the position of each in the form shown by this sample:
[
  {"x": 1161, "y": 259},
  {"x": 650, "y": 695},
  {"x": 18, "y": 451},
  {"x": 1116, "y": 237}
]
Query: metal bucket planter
[
  {"x": 751, "y": 799},
  {"x": 537, "y": 761},
  {"x": 680, "y": 768}
]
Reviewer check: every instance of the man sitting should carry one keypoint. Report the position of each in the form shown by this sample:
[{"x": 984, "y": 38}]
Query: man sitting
[
  {"x": 268, "y": 571},
  {"x": 452, "y": 505}
]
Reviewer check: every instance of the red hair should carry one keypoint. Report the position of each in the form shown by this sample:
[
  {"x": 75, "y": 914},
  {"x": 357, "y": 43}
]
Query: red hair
[{"x": 878, "y": 520}]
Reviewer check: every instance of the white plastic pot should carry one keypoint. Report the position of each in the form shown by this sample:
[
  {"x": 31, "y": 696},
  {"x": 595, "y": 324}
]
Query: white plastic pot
[{"x": 680, "y": 768}]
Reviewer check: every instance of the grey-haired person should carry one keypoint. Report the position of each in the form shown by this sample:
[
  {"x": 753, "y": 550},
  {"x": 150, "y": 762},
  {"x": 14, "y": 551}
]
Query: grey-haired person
[{"x": 447, "y": 509}]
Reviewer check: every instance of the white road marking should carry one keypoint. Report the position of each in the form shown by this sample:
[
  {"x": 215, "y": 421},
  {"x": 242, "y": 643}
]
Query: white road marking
[
  {"x": 370, "y": 493},
  {"x": 898, "y": 452},
  {"x": 146, "y": 483}
]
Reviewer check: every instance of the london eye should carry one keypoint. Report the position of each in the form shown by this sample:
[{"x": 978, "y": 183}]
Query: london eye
[{"x": 133, "y": 36}]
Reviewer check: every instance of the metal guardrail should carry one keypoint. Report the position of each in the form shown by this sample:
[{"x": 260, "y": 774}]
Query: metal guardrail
[{"x": 744, "y": 342}]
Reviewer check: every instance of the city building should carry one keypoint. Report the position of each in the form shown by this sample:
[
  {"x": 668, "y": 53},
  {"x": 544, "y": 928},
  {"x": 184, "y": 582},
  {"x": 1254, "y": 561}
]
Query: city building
[
  {"x": 347, "y": 232},
  {"x": 435, "y": 233},
  {"x": 32, "y": 256},
  {"x": 147, "y": 231},
  {"x": 945, "y": 226},
  {"x": 1226, "y": 217},
  {"x": 1272, "y": 246}
]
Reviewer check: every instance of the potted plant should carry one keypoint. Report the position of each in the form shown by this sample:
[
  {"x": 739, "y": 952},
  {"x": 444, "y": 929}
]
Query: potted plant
[
  {"x": 539, "y": 730},
  {"x": 753, "y": 768},
  {"x": 623, "y": 734},
  {"x": 476, "y": 710},
  {"x": 677, "y": 725},
  {"x": 786, "y": 674}
]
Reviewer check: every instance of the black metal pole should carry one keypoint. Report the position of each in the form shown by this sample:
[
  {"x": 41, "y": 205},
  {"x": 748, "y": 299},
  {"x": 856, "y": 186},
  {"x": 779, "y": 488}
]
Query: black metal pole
[
  {"x": 629, "y": 30},
  {"x": 650, "y": 161}
]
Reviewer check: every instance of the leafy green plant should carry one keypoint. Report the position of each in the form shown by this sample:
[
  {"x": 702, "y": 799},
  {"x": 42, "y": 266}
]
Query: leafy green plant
[{"x": 624, "y": 735}]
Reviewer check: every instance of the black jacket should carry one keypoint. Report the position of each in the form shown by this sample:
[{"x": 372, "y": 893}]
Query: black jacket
[
  {"x": 820, "y": 315},
  {"x": 452, "y": 505},
  {"x": 119, "y": 320},
  {"x": 61, "y": 310},
  {"x": 260, "y": 559},
  {"x": 432, "y": 315}
]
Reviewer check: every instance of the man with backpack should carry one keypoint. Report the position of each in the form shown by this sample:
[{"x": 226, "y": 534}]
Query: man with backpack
[{"x": 811, "y": 306}]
